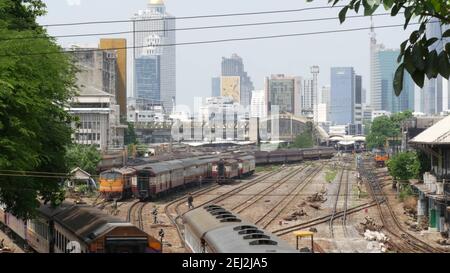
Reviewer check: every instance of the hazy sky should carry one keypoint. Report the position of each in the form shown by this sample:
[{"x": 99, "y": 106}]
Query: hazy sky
[{"x": 196, "y": 64}]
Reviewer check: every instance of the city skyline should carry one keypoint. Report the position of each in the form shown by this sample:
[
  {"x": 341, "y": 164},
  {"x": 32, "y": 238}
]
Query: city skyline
[{"x": 292, "y": 56}]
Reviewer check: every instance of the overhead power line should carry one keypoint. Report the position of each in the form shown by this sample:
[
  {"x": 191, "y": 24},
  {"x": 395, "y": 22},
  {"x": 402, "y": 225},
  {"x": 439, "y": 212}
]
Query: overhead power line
[
  {"x": 187, "y": 28},
  {"x": 209, "y": 41},
  {"x": 194, "y": 17}
]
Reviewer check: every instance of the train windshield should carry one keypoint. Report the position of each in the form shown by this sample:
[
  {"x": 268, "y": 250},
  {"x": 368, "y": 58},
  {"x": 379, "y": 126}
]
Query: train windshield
[
  {"x": 109, "y": 175},
  {"x": 126, "y": 244}
]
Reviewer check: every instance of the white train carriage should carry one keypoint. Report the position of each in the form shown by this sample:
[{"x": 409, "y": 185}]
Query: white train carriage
[
  {"x": 206, "y": 164},
  {"x": 191, "y": 171},
  {"x": 198, "y": 222},
  {"x": 213, "y": 229},
  {"x": 246, "y": 165}
]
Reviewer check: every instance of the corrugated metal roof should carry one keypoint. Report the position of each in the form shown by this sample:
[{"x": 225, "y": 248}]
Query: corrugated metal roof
[
  {"x": 86, "y": 222},
  {"x": 439, "y": 133}
]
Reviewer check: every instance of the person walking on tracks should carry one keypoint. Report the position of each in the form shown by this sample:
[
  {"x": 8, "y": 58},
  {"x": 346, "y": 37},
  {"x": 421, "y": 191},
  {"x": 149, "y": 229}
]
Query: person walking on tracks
[
  {"x": 190, "y": 201},
  {"x": 155, "y": 215}
]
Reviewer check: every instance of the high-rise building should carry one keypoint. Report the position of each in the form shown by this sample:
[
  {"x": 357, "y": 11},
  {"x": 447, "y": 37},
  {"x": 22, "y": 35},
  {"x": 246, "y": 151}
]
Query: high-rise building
[
  {"x": 386, "y": 69},
  {"x": 230, "y": 86},
  {"x": 234, "y": 66},
  {"x": 153, "y": 27},
  {"x": 284, "y": 92},
  {"x": 325, "y": 96},
  {"x": 95, "y": 104},
  {"x": 432, "y": 101},
  {"x": 307, "y": 97},
  {"x": 258, "y": 107},
  {"x": 358, "y": 112},
  {"x": 215, "y": 87},
  {"x": 119, "y": 45},
  {"x": 310, "y": 94},
  {"x": 342, "y": 95},
  {"x": 383, "y": 66},
  {"x": 148, "y": 77}
]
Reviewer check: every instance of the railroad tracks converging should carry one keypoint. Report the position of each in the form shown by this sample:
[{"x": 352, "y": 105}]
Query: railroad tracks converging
[
  {"x": 272, "y": 214},
  {"x": 321, "y": 220},
  {"x": 346, "y": 181},
  {"x": 173, "y": 210},
  {"x": 403, "y": 240}
]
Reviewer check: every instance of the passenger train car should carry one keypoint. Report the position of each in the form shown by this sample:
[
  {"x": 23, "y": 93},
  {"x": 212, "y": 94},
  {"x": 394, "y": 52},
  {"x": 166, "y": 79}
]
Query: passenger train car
[
  {"x": 213, "y": 229},
  {"x": 149, "y": 179},
  {"x": 79, "y": 229},
  {"x": 156, "y": 179}
]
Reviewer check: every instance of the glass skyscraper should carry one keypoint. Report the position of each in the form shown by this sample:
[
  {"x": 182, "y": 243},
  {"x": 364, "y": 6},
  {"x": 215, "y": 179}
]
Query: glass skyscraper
[
  {"x": 433, "y": 91},
  {"x": 147, "y": 78},
  {"x": 387, "y": 65},
  {"x": 154, "y": 27},
  {"x": 342, "y": 95}
]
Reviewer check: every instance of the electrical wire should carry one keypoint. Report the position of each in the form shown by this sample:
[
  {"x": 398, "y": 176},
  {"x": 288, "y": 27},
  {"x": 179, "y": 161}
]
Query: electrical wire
[
  {"x": 208, "y": 41},
  {"x": 186, "y": 29},
  {"x": 195, "y": 16}
]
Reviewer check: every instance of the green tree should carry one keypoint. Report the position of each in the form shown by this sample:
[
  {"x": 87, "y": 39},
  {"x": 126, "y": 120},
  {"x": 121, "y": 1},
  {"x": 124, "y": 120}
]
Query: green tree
[
  {"x": 403, "y": 166},
  {"x": 83, "y": 156},
  {"x": 381, "y": 129},
  {"x": 34, "y": 126},
  {"x": 130, "y": 135},
  {"x": 384, "y": 128},
  {"x": 305, "y": 139},
  {"x": 415, "y": 56}
]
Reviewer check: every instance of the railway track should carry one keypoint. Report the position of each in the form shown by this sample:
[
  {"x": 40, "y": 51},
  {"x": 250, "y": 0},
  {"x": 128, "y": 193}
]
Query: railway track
[
  {"x": 321, "y": 220},
  {"x": 344, "y": 173},
  {"x": 331, "y": 223},
  {"x": 284, "y": 202},
  {"x": 404, "y": 241},
  {"x": 135, "y": 214},
  {"x": 241, "y": 206}
]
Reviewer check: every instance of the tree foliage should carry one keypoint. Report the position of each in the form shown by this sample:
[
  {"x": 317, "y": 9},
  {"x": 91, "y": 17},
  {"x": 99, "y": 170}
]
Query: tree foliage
[
  {"x": 404, "y": 166},
  {"x": 305, "y": 139},
  {"x": 130, "y": 135},
  {"x": 83, "y": 156},
  {"x": 383, "y": 128},
  {"x": 34, "y": 126},
  {"x": 418, "y": 55}
]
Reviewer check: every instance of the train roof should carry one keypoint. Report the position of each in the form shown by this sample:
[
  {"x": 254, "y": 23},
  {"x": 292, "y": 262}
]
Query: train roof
[
  {"x": 202, "y": 220},
  {"x": 124, "y": 170},
  {"x": 156, "y": 168},
  {"x": 245, "y": 238},
  {"x": 86, "y": 222},
  {"x": 226, "y": 233},
  {"x": 245, "y": 157}
]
